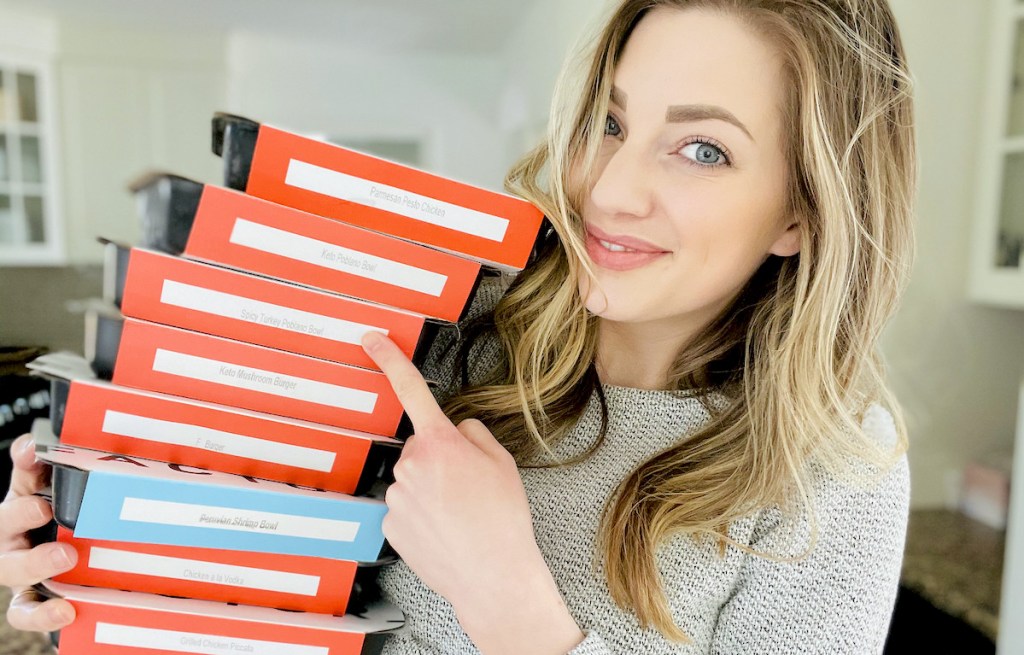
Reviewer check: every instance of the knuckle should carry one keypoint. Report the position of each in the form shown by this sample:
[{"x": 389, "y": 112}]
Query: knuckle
[
  {"x": 402, "y": 467},
  {"x": 34, "y": 511},
  {"x": 27, "y": 480},
  {"x": 470, "y": 424},
  {"x": 437, "y": 429},
  {"x": 42, "y": 562}
]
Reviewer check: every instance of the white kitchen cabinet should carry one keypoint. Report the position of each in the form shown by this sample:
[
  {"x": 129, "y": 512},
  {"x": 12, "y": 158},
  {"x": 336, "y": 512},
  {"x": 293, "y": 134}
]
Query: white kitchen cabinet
[{"x": 997, "y": 259}]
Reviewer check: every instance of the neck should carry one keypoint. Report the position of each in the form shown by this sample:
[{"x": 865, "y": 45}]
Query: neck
[{"x": 639, "y": 355}]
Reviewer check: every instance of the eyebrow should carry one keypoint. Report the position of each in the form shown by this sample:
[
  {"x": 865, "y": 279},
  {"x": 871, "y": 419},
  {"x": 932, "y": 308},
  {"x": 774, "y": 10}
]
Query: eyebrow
[{"x": 689, "y": 113}]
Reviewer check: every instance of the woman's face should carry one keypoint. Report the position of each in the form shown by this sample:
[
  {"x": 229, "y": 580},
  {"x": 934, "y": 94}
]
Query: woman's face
[{"x": 688, "y": 195}]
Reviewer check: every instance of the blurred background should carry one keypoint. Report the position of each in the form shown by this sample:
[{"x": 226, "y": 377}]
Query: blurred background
[{"x": 95, "y": 92}]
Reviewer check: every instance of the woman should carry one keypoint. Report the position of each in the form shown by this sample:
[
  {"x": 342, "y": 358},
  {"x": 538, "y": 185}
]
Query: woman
[{"x": 704, "y": 456}]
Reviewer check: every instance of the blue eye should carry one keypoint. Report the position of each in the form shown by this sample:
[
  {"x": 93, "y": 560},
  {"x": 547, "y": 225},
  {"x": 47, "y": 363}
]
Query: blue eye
[
  {"x": 702, "y": 153},
  {"x": 611, "y": 126}
]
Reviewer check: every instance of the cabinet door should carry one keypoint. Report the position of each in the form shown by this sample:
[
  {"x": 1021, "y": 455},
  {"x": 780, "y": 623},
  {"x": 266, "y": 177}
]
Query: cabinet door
[
  {"x": 997, "y": 274},
  {"x": 30, "y": 229}
]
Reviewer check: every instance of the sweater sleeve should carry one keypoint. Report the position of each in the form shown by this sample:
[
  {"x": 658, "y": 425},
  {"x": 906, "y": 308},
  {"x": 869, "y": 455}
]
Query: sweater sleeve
[{"x": 839, "y": 599}]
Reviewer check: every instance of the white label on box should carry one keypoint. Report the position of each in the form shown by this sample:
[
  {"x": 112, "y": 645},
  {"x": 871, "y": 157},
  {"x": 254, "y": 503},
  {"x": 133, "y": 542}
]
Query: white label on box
[
  {"x": 218, "y": 303},
  {"x": 342, "y": 186},
  {"x": 218, "y": 441},
  {"x": 254, "y": 379},
  {"x": 131, "y": 636},
  {"x": 177, "y": 568},
  {"x": 188, "y": 515},
  {"x": 321, "y": 253}
]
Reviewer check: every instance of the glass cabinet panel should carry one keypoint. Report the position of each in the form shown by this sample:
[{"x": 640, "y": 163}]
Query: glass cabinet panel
[
  {"x": 28, "y": 110},
  {"x": 6, "y": 219},
  {"x": 35, "y": 220},
  {"x": 26, "y": 224},
  {"x": 5, "y": 173},
  {"x": 1011, "y": 214},
  {"x": 1016, "y": 122},
  {"x": 31, "y": 160}
]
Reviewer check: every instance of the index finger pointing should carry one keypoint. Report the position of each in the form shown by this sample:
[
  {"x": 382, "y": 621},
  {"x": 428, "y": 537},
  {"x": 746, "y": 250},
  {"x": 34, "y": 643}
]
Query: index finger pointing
[{"x": 405, "y": 379}]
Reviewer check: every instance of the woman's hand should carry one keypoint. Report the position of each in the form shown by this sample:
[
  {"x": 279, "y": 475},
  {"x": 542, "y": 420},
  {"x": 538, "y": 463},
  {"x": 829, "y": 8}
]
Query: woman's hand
[
  {"x": 20, "y": 565},
  {"x": 459, "y": 517}
]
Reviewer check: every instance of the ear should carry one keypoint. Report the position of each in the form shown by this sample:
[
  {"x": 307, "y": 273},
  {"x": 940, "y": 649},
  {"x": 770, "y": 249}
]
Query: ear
[{"x": 788, "y": 243}]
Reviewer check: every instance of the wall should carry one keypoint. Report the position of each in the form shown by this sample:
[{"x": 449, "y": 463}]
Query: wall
[
  {"x": 326, "y": 89},
  {"x": 131, "y": 101},
  {"x": 955, "y": 365},
  {"x": 531, "y": 61},
  {"x": 35, "y": 305}
]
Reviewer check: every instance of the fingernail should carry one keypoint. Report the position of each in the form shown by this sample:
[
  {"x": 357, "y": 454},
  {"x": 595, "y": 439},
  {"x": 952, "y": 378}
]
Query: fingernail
[
  {"x": 60, "y": 614},
  {"x": 60, "y": 558},
  {"x": 371, "y": 341},
  {"x": 37, "y": 512},
  {"x": 29, "y": 445}
]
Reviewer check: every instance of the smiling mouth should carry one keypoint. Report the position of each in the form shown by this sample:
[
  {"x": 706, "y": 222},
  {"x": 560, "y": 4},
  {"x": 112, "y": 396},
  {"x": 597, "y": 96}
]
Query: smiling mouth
[
  {"x": 622, "y": 243},
  {"x": 614, "y": 247},
  {"x": 617, "y": 257}
]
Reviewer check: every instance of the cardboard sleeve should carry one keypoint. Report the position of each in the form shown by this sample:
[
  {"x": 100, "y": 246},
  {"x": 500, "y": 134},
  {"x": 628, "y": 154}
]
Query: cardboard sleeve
[
  {"x": 98, "y": 415},
  {"x": 288, "y": 582},
  {"x": 152, "y": 286},
  {"x": 114, "y": 497},
  {"x": 111, "y": 621},
  {"x": 329, "y": 180},
  {"x": 240, "y": 231},
  {"x": 164, "y": 359}
]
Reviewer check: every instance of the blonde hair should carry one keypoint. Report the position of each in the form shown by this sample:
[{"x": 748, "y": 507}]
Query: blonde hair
[{"x": 795, "y": 355}]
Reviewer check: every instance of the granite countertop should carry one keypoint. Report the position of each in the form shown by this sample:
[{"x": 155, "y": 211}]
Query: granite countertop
[{"x": 956, "y": 564}]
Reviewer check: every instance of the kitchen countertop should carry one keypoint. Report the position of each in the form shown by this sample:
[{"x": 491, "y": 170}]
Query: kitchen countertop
[{"x": 956, "y": 564}]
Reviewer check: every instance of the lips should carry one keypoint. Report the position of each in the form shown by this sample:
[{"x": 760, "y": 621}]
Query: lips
[{"x": 620, "y": 253}]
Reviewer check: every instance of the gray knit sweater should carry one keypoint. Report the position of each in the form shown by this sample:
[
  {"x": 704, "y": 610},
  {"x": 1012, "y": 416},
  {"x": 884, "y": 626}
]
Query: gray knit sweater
[{"x": 837, "y": 600}]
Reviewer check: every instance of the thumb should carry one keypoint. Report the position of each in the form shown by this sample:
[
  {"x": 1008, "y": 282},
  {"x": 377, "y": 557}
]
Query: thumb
[{"x": 477, "y": 434}]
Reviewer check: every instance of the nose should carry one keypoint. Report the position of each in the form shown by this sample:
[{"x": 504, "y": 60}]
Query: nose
[{"x": 623, "y": 183}]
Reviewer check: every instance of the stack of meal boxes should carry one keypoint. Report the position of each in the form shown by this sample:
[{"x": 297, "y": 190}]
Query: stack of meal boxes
[{"x": 219, "y": 464}]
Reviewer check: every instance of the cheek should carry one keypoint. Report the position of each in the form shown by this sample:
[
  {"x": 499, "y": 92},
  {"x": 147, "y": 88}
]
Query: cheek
[{"x": 594, "y": 299}]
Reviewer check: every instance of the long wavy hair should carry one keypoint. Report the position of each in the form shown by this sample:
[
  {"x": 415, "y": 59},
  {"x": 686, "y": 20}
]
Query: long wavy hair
[{"x": 793, "y": 361}]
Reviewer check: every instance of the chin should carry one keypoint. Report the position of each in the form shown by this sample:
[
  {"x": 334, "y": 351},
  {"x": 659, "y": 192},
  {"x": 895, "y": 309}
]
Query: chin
[{"x": 612, "y": 308}]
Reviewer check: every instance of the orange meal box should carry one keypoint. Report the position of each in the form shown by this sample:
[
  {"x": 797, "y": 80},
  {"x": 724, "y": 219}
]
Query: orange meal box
[
  {"x": 226, "y": 227},
  {"x": 329, "y": 180},
  {"x": 114, "y": 497},
  {"x": 164, "y": 359},
  {"x": 174, "y": 291},
  {"x": 289, "y": 582},
  {"x": 109, "y": 622},
  {"x": 98, "y": 415}
]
